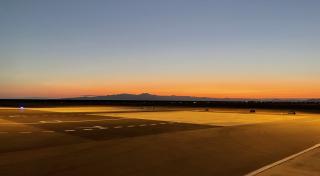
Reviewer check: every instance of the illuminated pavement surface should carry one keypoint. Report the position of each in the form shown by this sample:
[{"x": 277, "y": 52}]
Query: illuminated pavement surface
[{"x": 79, "y": 143}]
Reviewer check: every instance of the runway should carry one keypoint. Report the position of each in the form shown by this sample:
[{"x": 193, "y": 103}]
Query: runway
[{"x": 85, "y": 143}]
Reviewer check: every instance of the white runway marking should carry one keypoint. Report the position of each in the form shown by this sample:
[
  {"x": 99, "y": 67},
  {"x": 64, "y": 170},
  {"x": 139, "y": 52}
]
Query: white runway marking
[
  {"x": 69, "y": 130},
  {"x": 58, "y": 121},
  {"x": 282, "y": 161},
  {"x": 100, "y": 127},
  {"x": 87, "y": 129},
  {"x": 47, "y": 131},
  {"x": 94, "y": 127},
  {"x": 52, "y": 121}
]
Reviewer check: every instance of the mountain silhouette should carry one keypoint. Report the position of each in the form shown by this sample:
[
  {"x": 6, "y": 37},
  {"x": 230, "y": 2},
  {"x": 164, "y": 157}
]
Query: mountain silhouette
[
  {"x": 152, "y": 97},
  {"x": 144, "y": 97}
]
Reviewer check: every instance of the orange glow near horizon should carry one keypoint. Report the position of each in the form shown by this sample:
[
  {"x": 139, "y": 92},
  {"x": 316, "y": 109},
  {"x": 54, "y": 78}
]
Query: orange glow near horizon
[{"x": 199, "y": 89}]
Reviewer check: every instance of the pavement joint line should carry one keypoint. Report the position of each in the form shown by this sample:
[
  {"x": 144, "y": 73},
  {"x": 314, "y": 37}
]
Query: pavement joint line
[
  {"x": 3, "y": 132},
  {"x": 87, "y": 129},
  {"x": 130, "y": 126},
  {"x": 269, "y": 166},
  {"x": 117, "y": 127},
  {"x": 162, "y": 123},
  {"x": 142, "y": 125},
  {"x": 153, "y": 124}
]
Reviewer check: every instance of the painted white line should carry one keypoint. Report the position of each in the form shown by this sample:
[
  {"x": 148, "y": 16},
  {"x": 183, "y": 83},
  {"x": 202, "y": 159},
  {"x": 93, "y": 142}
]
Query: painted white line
[
  {"x": 25, "y": 132},
  {"x": 87, "y": 129},
  {"x": 69, "y": 130},
  {"x": 142, "y": 125},
  {"x": 77, "y": 121},
  {"x": 153, "y": 124},
  {"x": 3, "y": 132},
  {"x": 52, "y": 121},
  {"x": 47, "y": 131},
  {"x": 100, "y": 127},
  {"x": 130, "y": 126},
  {"x": 117, "y": 127},
  {"x": 69, "y": 121},
  {"x": 94, "y": 127},
  {"x": 162, "y": 123},
  {"x": 282, "y": 161}
]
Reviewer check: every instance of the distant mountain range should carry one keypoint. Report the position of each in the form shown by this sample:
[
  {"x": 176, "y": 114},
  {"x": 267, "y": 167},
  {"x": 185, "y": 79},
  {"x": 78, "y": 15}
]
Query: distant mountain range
[
  {"x": 143, "y": 97},
  {"x": 151, "y": 97}
]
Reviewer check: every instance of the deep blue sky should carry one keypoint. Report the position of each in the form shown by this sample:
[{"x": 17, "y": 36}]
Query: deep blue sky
[{"x": 237, "y": 48}]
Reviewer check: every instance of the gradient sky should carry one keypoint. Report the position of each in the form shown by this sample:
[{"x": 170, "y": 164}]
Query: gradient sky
[{"x": 239, "y": 48}]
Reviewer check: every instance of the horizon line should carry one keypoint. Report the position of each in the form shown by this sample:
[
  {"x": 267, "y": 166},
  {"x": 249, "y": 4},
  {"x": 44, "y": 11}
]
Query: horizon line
[{"x": 172, "y": 95}]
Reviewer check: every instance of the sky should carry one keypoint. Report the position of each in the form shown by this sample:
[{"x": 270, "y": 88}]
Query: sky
[{"x": 224, "y": 49}]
